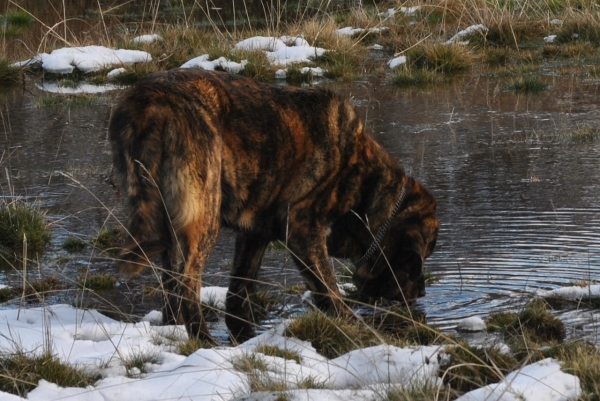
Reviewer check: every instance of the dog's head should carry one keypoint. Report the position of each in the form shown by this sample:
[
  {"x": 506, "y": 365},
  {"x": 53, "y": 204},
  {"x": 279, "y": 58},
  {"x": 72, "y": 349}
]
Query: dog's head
[{"x": 395, "y": 270}]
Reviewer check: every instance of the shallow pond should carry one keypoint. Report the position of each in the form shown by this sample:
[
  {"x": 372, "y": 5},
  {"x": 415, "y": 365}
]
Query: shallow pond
[{"x": 517, "y": 197}]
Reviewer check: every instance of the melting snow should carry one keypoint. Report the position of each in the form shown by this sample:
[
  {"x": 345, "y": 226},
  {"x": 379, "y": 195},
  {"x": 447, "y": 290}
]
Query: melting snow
[
  {"x": 147, "y": 38},
  {"x": 85, "y": 59},
  {"x": 395, "y": 62},
  {"x": 542, "y": 380},
  {"x": 96, "y": 342},
  {"x": 574, "y": 293},
  {"x": 474, "y": 323},
  {"x": 466, "y": 32}
]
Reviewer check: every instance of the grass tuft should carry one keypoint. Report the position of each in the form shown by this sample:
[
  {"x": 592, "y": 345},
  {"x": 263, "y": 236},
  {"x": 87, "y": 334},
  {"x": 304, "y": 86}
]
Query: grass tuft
[
  {"x": 332, "y": 336},
  {"x": 74, "y": 244},
  {"x": 296, "y": 77},
  {"x": 582, "y": 135},
  {"x": 193, "y": 344},
  {"x": 407, "y": 76},
  {"x": 9, "y": 76},
  {"x": 424, "y": 392},
  {"x": 272, "y": 350},
  {"x": 470, "y": 367},
  {"x": 131, "y": 75},
  {"x": 528, "y": 85},
  {"x": 137, "y": 363},
  {"x": 341, "y": 63},
  {"x": 534, "y": 323},
  {"x": 18, "y": 18},
  {"x": 259, "y": 377},
  {"x": 580, "y": 28},
  {"x": 21, "y": 372},
  {"x": 97, "y": 282},
  {"x": 19, "y": 220},
  {"x": 582, "y": 360},
  {"x": 496, "y": 56},
  {"x": 108, "y": 240},
  {"x": 258, "y": 67},
  {"x": 446, "y": 59}
]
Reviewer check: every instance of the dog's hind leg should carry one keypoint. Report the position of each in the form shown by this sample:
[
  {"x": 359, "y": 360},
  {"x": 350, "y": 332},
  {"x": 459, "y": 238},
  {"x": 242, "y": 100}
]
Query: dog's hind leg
[
  {"x": 249, "y": 251},
  {"x": 193, "y": 199}
]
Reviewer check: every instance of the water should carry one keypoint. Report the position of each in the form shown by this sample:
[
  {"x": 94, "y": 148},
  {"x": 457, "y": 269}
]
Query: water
[{"x": 517, "y": 201}]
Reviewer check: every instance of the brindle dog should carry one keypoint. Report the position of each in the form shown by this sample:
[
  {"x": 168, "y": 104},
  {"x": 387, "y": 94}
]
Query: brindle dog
[{"x": 195, "y": 150}]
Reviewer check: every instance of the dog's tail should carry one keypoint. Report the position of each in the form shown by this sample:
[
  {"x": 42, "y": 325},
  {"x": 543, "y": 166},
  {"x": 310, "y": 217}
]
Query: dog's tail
[{"x": 137, "y": 164}]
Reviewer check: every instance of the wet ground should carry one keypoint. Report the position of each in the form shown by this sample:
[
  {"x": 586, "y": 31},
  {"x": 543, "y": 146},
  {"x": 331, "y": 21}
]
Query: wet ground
[{"x": 517, "y": 197}]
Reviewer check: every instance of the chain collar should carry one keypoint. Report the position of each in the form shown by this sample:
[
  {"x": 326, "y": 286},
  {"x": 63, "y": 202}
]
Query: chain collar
[{"x": 381, "y": 232}]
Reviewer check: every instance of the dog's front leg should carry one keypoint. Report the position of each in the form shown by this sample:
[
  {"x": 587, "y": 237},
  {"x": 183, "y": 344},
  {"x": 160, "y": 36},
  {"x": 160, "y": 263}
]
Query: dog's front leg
[{"x": 309, "y": 250}]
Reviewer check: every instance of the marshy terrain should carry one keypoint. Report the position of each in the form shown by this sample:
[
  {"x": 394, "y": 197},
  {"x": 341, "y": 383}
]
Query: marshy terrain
[{"x": 501, "y": 123}]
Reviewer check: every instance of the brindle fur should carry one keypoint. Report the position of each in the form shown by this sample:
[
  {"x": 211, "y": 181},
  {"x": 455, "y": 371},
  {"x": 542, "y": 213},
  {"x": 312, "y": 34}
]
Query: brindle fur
[{"x": 195, "y": 150}]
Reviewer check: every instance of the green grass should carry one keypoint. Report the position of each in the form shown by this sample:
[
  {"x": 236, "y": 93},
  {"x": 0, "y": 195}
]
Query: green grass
[
  {"x": 21, "y": 372},
  {"x": 19, "y": 220},
  {"x": 74, "y": 244},
  {"x": 17, "y": 18},
  {"x": 332, "y": 336},
  {"x": 108, "y": 240},
  {"x": 14, "y": 23}
]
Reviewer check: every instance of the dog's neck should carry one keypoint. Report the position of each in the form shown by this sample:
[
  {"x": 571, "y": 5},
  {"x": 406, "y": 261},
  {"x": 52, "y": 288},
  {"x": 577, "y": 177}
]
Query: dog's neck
[{"x": 382, "y": 230}]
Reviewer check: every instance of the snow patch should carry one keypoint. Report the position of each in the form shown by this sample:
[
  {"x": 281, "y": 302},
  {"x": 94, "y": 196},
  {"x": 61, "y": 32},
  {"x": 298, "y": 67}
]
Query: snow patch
[
  {"x": 466, "y": 32},
  {"x": 81, "y": 88},
  {"x": 115, "y": 72},
  {"x": 222, "y": 62},
  {"x": 471, "y": 324},
  {"x": 395, "y": 62},
  {"x": 98, "y": 343},
  {"x": 147, "y": 38},
  {"x": 574, "y": 293},
  {"x": 542, "y": 380},
  {"x": 86, "y": 59}
]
